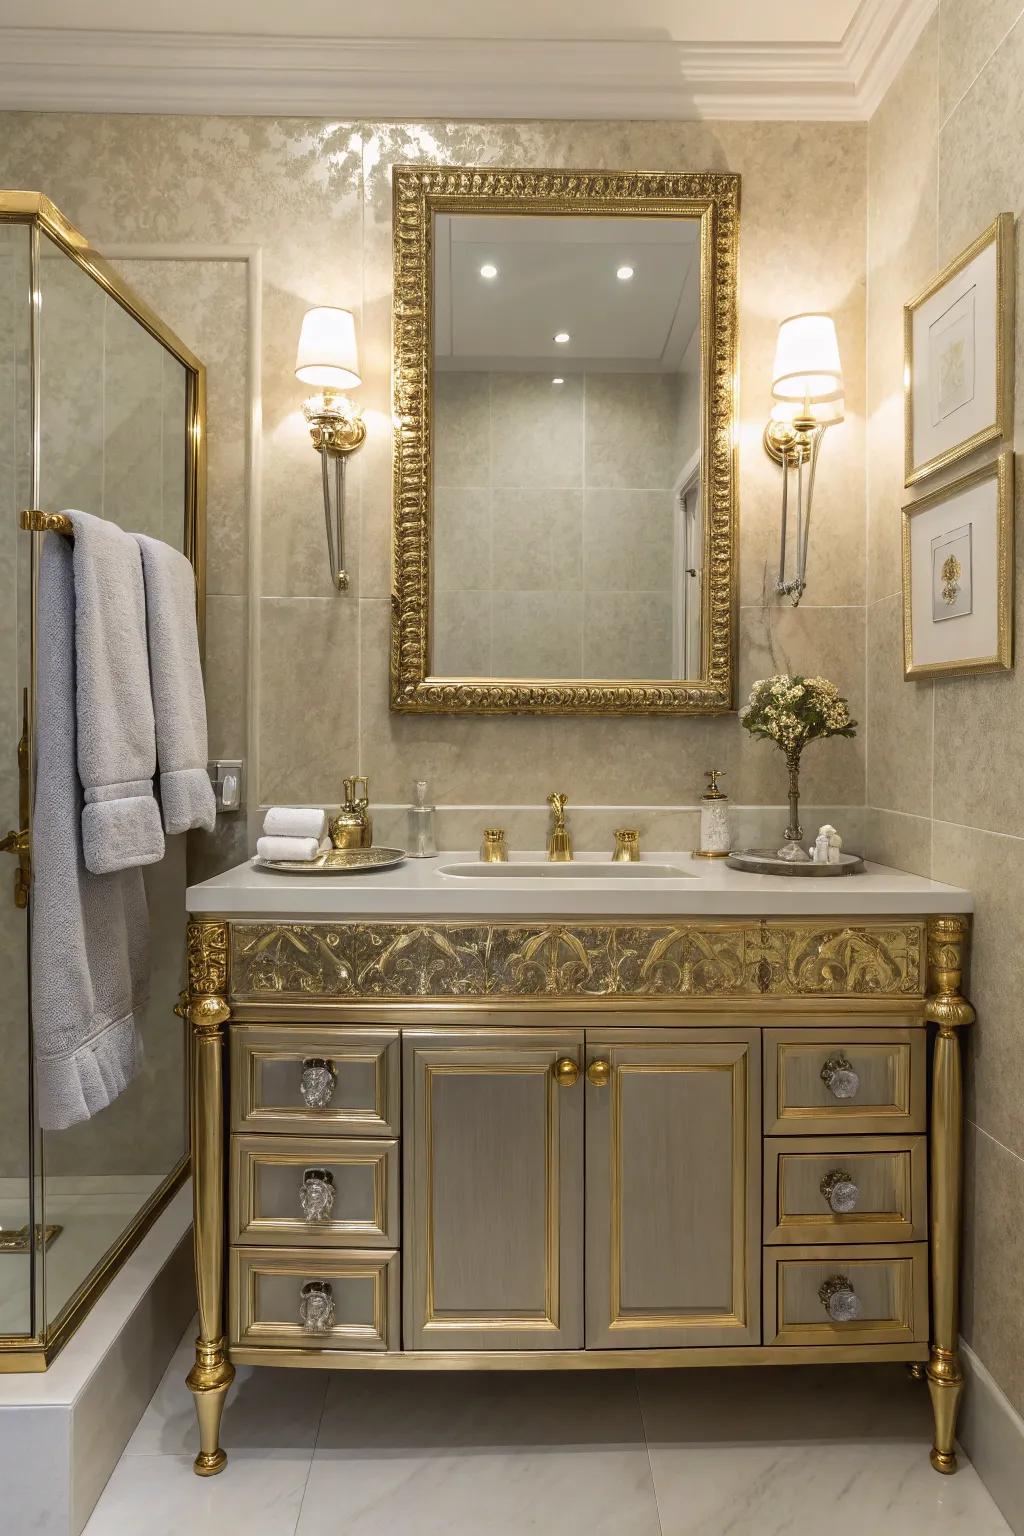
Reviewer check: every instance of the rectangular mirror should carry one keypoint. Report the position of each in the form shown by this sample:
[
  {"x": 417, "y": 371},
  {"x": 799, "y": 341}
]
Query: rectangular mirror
[{"x": 564, "y": 482}]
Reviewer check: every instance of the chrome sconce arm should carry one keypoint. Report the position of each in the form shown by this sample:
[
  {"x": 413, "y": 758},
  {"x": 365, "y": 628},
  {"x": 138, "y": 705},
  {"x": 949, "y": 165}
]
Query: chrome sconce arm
[{"x": 337, "y": 429}]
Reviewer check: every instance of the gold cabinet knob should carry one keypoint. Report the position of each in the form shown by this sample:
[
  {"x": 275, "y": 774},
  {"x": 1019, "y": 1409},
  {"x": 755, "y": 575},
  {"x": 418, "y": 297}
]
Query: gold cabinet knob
[
  {"x": 599, "y": 1073},
  {"x": 566, "y": 1071}
]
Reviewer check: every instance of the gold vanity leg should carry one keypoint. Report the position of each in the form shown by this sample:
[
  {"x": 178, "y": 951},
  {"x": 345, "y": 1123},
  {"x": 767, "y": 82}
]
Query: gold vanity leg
[
  {"x": 208, "y": 1011},
  {"x": 945, "y": 1007}
]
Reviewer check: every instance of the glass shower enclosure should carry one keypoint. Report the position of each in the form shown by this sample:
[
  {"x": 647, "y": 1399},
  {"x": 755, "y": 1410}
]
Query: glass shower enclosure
[{"x": 101, "y": 409}]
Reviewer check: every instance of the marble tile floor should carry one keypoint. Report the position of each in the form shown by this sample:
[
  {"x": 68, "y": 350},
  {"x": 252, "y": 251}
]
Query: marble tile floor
[{"x": 776, "y": 1452}]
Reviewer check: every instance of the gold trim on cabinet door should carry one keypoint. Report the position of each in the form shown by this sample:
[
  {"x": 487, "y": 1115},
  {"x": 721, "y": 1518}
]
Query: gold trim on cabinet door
[
  {"x": 379, "y": 1265},
  {"x": 421, "y": 192},
  {"x": 908, "y": 1263},
  {"x": 906, "y": 1113},
  {"x": 248, "y": 1225},
  {"x": 909, "y": 1223}
]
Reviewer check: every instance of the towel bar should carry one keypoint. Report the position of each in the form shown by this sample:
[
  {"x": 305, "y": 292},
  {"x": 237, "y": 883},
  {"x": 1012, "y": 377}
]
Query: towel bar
[{"x": 34, "y": 521}]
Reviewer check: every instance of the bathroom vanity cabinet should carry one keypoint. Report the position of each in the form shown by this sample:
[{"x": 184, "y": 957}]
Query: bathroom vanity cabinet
[{"x": 587, "y": 1140}]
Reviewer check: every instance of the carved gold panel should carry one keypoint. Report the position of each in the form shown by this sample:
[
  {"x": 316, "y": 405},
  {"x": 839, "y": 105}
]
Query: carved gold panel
[{"x": 681, "y": 959}]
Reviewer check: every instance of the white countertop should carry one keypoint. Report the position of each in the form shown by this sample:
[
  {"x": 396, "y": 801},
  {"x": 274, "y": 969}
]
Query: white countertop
[{"x": 420, "y": 888}]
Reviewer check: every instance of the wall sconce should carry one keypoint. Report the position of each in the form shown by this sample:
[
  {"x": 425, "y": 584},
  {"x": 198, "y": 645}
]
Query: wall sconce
[
  {"x": 807, "y": 386},
  {"x": 327, "y": 357}
]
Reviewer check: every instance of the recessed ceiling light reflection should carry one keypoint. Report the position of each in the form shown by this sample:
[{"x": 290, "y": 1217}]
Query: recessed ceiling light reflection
[
  {"x": 558, "y": 381},
  {"x": 624, "y": 274},
  {"x": 488, "y": 270},
  {"x": 562, "y": 337}
]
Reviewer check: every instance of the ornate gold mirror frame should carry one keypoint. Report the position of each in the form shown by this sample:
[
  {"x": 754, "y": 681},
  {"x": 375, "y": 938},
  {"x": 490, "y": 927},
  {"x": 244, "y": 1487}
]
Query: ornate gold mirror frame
[{"x": 419, "y": 194}]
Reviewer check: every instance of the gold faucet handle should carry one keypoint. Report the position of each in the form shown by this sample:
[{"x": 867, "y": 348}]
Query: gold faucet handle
[
  {"x": 558, "y": 804},
  {"x": 627, "y": 846}
]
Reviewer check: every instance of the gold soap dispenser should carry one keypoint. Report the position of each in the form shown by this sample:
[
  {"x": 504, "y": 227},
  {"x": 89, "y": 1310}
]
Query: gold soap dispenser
[{"x": 352, "y": 827}]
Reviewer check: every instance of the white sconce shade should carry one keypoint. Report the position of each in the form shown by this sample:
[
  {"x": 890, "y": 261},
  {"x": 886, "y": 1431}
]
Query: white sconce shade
[
  {"x": 807, "y": 365},
  {"x": 327, "y": 354}
]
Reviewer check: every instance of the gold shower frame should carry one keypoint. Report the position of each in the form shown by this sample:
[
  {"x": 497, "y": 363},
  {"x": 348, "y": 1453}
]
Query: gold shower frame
[
  {"x": 34, "y": 1351},
  {"x": 419, "y": 193}
]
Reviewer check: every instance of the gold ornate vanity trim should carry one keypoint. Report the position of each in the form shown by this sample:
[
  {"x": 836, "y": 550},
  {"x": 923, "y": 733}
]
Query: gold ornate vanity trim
[
  {"x": 418, "y": 193},
  {"x": 682, "y": 959}
]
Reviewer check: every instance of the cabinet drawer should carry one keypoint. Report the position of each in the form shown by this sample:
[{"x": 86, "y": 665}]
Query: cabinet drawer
[
  {"x": 360, "y": 1289},
  {"x": 889, "y": 1286},
  {"x": 877, "y": 1081},
  {"x": 319, "y": 1081},
  {"x": 833, "y": 1189},
  {"x": 276, "y": 1180}
]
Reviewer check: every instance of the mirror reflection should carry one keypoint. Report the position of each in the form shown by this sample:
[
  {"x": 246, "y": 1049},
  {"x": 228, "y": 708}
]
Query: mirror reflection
[{"x": 568, "y": 422}]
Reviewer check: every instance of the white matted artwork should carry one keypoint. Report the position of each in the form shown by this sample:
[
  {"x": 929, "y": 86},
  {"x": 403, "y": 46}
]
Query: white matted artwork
[
  {"x": 958, "y": 338},
  {"x": 958, "y": 576}
]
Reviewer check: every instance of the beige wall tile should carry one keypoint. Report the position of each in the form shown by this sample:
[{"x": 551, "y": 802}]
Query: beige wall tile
[
  {"x": 536, "y": 430},
  {"x": 226, "y": 671},
  {"x": 990, "y": 867},
  {"x": 537, "y": 539},
  {"x": 993, "y": 1259},
  {"x": 632, "y": 430},
  {"x": 627, "y": 634},
  {"x": 898, "y": 737},
  {"x": 462, "y": 429},
  {"x": 461, "y": 543},
  {"x": 902, "y": 214},
  {"x": 627, "y": 540},
  {"x": 970, "y": 31},
  {"x": 461, "y": 641},
  {"x": 899, "y": 840},
  {"x": 309, "y": 731},
  {"x": 537, "y": 634}
]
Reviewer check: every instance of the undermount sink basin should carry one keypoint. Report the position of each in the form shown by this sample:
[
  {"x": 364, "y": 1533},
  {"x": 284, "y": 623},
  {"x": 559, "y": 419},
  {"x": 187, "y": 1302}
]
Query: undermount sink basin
[{"x": 583, "y": 870}]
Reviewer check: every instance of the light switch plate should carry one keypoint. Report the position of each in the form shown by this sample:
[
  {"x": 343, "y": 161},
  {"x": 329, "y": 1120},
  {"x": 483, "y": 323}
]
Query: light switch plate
[{"x": 228, "y": 779}]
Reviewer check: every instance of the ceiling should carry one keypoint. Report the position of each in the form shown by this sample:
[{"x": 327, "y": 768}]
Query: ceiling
[
  {"x": 546, "y": 276},
  {"x": 806, "y": 59}
]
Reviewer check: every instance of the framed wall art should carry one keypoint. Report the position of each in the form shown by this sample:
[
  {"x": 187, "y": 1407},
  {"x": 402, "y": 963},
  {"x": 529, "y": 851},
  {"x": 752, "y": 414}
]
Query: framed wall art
[
  {"x": 958, "y": 356},
  {"x": 958, "y": 576}
]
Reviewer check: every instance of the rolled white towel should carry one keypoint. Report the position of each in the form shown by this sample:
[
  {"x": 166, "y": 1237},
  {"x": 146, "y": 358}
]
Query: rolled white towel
[
  {"x": 294, "y": 821},
  {"x": 293, "y": 850}
]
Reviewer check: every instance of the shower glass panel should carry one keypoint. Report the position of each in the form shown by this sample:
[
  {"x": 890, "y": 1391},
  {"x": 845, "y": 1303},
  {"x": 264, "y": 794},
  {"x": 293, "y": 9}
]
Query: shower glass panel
[
  {"x": 17, "y": 1159},
  {"x": 101, "y": 410},
  {"x": 112, "y": 442}
]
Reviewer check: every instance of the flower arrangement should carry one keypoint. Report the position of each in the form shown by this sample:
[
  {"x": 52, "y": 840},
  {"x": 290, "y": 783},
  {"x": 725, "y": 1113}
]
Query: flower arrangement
[{"x": 793, "y": 711}]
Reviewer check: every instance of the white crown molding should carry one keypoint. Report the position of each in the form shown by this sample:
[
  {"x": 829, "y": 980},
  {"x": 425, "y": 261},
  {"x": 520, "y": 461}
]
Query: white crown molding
[{"x": 66, "y": 70}]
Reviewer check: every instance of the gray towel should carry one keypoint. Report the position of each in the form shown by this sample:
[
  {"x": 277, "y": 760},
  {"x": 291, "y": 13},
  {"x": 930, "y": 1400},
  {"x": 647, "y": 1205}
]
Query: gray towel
[
  {"x": 176, "y": 677},
  {"x": 116, "y": 735},
  {"x": 90, "y": 933}
]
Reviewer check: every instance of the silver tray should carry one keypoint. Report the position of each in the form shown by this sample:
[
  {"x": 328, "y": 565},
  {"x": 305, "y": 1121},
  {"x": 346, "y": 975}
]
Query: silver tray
[
  {"x": 765, "y": 861},
  {"x": 336, "y": 861}
]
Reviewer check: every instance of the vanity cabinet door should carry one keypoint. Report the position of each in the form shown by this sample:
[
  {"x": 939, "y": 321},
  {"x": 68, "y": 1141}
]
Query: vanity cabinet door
[
  {"x": 673, "y": 1190},
  {"x": 493, "y": 1222}
]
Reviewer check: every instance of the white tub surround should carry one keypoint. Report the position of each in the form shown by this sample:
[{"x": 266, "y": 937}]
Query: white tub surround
[{"x": 591, "y": 886}]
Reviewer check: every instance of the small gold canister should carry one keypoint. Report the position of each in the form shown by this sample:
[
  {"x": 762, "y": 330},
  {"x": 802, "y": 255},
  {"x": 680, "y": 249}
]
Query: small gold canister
[
  {"x": 352, "y": 827},
  {"x": 494, "y": 849}
]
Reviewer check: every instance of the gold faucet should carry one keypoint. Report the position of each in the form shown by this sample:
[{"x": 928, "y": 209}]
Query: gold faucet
[{"x": 559, "y": 842}]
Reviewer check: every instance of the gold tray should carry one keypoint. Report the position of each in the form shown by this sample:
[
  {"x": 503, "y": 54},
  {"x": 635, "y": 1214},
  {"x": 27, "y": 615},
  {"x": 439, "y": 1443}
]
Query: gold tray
[{"x": 337, "y": 861}]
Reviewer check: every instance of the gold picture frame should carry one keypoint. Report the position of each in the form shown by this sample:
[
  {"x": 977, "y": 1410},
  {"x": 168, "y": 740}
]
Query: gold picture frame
[
  {"x": 421, "y": 192},
  {"x": 999, "y": 234},
  {"x": 998, "y": 561}
]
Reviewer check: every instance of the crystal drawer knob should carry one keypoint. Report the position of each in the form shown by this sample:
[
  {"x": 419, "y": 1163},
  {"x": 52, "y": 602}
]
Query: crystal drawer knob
[
  {"x": 318, "y": 1082},
  {"x": 316, "y": 1194},
  {"x": 839, "y": 1077},
  {"x": 840, "y": 1191},
  {"x": 839, "y": 1299},
  {"x": 316, "y": 1306}
]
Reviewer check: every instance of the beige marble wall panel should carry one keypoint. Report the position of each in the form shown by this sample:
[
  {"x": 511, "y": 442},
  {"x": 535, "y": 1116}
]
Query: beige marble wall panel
[
  {"x": 309, "y": 682},
  {"x": 461, "y": 640},
  {"x": 129, "y": 381},
  {"x": 632, "y": 430},
  {"x": 627, "y": 634},
  {"x": 71, "y": 426},
  {"x": 462, "y": 430},
  {"x": 970, "y": 32},
  {"x": 537, "y": 540},
  {"x": 994, "y": 1259},
  {"x": 902, "y": 213},
  {"x": 899, "y": 840},
  {"x": 898, "y": 730},
  {"x": 628, "y": 540},
  {"x": 537, "y": 431},
  {"x": 537, "y": 634},
  {"x": 990, "y": 866},
  {"x": 462, "y": 542}
]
